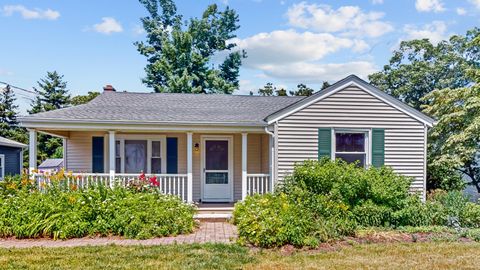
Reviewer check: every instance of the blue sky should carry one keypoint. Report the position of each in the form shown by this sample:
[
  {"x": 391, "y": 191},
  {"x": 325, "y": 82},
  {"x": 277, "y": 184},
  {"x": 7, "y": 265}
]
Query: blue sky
[{"x": 288, "y": 42}]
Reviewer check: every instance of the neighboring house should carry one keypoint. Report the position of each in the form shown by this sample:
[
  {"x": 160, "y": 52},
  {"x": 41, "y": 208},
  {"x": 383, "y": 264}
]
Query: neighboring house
[
  {"x": 51, "y": 165},
  {"x": 11, "y": 157},
  {"x": 219, "y": 148}
]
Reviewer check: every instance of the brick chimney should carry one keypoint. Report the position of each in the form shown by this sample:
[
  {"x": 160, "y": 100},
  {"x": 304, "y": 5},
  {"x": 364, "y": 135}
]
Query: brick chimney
[{"x": 108, "y": 88}]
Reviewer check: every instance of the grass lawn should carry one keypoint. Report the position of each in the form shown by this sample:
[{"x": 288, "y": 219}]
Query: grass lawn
[{"x": 432, "y": 255}]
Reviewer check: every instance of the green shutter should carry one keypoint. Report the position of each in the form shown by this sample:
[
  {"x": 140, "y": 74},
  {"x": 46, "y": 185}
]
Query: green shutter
[
  {"x": 324, "y": 142},
  {"x": 378, "y": 147}
]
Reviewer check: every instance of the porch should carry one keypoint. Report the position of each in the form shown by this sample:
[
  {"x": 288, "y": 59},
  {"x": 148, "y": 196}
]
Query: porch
[{"x": 196, "y": 166}]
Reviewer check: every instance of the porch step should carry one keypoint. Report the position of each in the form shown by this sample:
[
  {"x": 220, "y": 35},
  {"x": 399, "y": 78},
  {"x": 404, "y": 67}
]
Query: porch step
[{"x": 212, "y": 213}]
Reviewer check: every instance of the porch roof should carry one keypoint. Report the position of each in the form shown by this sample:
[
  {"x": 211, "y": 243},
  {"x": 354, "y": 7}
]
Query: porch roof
[{"x": 116, "y": 107}]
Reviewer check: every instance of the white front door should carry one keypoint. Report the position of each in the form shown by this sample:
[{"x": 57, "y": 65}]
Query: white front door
[{"x": 217, "y": 174}]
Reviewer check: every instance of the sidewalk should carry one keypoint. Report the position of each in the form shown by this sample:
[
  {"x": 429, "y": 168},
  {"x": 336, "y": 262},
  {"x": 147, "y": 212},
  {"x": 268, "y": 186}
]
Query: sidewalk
[{"x": 209, "y": 232}]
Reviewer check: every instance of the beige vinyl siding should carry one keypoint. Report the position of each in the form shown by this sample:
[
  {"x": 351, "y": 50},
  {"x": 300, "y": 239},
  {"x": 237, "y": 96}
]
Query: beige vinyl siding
[
  {"x": 79, "y": 156},
  {"x": 352, "y": 107},
  {"x": 79, "y": 150}
]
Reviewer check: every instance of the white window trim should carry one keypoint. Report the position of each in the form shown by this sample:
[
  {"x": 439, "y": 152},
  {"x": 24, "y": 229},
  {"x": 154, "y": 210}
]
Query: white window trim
[
  {"x": 149, "y": 139},
  {"x": 368, "y": 142},
  {"x": 2, "y": 164}
]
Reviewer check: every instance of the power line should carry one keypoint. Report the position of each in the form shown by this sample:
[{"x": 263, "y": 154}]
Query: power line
[{"x": 19, "y": 88}]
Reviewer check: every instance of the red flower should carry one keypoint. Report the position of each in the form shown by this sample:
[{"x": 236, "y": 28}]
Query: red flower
[
  {"x": 142, "y": 176},
  {"x": 153, "y": 181}
]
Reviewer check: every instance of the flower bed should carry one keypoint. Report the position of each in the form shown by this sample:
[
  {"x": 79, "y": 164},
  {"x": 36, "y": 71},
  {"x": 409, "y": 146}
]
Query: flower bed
[
  {"x": 326, "y": 200},
  {"x": 61, "y": 213}
]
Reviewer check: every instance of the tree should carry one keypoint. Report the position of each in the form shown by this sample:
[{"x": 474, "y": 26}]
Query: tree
[
  {"x": 267, "y": 90},
  {"x": 325, "y": 84},
  {"x": 419, "y": 67},
  {"x": 456, "y": 137},
  {"x": 82, "y": 99},
  {"x": 179, "y": 53},
  {"x": 302, "y": 90},
  {"x": 52, "y": 94},
  {"x": 8, "y": 112}
]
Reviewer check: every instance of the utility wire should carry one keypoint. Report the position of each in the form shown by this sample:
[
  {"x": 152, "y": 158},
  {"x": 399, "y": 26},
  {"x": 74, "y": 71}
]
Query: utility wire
[{"x": 19, "y": 88}]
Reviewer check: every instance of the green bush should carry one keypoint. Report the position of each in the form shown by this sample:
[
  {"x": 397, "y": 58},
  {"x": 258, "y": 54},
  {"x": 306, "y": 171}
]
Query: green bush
[
  {"x": 470, "y": 216},
  {"x": 350, "y": 183},
  {"x": 299, "y": 219},
  {"x": 324, "y": 200},
  {"x": 95, "y": 211}
]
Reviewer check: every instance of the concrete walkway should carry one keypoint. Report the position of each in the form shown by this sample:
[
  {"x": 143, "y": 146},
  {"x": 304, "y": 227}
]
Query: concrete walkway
[{"x": 209, "y": 232}]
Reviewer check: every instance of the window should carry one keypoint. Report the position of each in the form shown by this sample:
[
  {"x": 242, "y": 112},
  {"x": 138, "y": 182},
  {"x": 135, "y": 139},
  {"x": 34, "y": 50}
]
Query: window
[
  {"x": 137, "y": 153},
  {"x": 156, "y": 157},
  {"x": 2, "y": 166},
  {"x": 351, "y": 147}
]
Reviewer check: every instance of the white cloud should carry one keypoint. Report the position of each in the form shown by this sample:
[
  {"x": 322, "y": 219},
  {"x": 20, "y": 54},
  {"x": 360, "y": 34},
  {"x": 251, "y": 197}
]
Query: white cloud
[
  {"x": 435, "y": 31},
  {"x": 29, "y": 14},
  {"x": 108, "y": 25},
  {"x": 347, "y": 20},
  {"x": 476, "y": 3},
  {"x": 318, "y": 72},
  {"x": 292, "y": 56},
  {"x": 377, "y": 2},
  {"x": 461, "y": 11},
  {"x": 429, "y": 5},
  {"x": 287, "y": 46}
]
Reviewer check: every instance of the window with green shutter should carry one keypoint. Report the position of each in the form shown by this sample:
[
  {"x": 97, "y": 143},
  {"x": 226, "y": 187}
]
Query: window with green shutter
[
  {"x": 378, "y": 147},
  {"x": 324, "y": 142}
]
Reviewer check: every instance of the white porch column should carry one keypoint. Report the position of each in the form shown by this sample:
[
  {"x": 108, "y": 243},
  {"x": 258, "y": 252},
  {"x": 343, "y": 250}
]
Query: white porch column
[
  {"x": 244, "y": 165},
  {"x": 64, "y": 154},
  {"x": 32, "y": 150},
  {"x": 271, "y": 154},
  {"x": 111, "y": 156},
  {"x": 189, "y": 167}
]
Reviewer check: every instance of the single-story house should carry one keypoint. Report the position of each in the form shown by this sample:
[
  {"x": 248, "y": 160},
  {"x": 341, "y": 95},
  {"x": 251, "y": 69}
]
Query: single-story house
[
  {"x": 51, "y": 165},
  {"x": 220, "y": 148},
  {"x": 11, "y": 157}
]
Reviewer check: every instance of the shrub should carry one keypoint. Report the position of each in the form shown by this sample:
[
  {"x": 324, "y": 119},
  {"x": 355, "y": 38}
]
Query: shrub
[
  {"x": 323, "y": 200},
  {"x": 470, "y": 216},
  {"x": 370, "y": 214},
  {"x": 96, "y": 211},
  {"x": 273, "y": 220},
  {"x": 349, "y": 183}
]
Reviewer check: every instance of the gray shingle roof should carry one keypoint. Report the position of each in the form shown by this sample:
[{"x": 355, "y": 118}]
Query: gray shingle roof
[
  {"x": 11, "y": 143},
  {"x": 174, "y": 108},
  {"x": 51, "y": 163}
]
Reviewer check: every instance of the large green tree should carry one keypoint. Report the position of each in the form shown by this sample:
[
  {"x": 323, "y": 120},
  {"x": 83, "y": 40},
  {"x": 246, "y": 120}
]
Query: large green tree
[
  {"x": 456, "y": 137},
  {"x": 82, "y": 99},
  {"x": 180, "y": 53},
  {"x": 52, "y": 94},
  {"x": 418, "y": 67}
]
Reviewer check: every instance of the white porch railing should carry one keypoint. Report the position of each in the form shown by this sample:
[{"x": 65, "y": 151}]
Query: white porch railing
[
  {"x": 258, "y": 183},
  {"x": 173, "y": 184}
]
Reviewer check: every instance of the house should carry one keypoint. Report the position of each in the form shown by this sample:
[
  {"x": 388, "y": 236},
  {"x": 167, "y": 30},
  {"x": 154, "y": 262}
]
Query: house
[
  {"x": 220, "y": 148},
  {"x": 11, "y": 157},
  {"x": 51, "y": 165}
]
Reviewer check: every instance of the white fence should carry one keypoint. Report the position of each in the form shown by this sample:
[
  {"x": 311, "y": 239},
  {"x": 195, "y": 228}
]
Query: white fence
[
  {"x": 258, "y": 183},
  {"x": 173, "y": 184}
]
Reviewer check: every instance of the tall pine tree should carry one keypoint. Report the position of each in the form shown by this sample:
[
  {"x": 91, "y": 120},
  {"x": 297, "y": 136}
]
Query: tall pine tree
[
  {"x": 52, "y": 94},
  {"x": 8, "y": 112}
]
